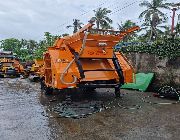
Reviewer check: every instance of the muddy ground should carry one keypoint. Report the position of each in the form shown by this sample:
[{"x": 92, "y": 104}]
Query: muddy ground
[{"x": 27, "y": 114}]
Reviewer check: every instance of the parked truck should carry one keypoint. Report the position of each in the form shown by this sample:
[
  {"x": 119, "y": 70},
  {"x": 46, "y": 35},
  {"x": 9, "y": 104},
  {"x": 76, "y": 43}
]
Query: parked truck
[
  {"x": 9, "y": 65},
  {"x": 87, "y": 60},
  {"x": 36, "y": 70}
]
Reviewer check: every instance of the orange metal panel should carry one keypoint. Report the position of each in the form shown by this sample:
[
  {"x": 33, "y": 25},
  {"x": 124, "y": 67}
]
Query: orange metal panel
[
  {"x": 127, "y": 68},
  {"x": 60, "y": 67}
]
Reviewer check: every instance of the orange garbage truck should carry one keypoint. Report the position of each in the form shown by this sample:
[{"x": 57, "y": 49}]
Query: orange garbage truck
[
  {"x": 36, "y": 70},
  {"x": 87, "y": 60},
  {"x": 10, "y": 65}
]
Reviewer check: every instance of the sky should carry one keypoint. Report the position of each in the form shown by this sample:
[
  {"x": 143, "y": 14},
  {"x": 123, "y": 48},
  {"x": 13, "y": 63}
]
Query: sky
[{"x": 29, "y": 19}]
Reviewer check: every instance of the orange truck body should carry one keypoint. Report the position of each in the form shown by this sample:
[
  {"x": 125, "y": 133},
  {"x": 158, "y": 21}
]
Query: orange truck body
[
  {"x": 36, "y": 71},
  {"x": 37, "y": 67},
  {"x": 19, "y": 68},
  {"x": 6, "y": 58},
  {"x": 87, "y": 59}
]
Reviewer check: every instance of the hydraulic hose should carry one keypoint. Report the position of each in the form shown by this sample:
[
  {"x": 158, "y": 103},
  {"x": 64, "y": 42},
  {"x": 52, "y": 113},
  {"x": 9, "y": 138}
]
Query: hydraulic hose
[{"x": 69, "y": 65}]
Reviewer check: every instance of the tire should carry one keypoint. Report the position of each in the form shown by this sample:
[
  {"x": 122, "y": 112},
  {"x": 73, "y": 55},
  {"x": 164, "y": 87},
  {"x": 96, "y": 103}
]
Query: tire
[
  {"x": 48, "y": 90},
  {"x": 90, "y": 89},
  {"x": 1, "y": 76},
  {"x": 17, "y": 75},
  {"x": 11, "y": 72},
  {"x": 42, "y": 84}
]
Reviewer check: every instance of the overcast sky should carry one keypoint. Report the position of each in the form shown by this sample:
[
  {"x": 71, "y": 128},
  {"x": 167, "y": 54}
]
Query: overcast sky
[{"x": 29, "y": 19}]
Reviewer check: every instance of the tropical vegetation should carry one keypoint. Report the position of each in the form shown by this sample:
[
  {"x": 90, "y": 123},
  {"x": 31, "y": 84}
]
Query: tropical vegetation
[
  {"x": 154, "y": 37},
  {"x": 76, "y": 25},
  {"x": 101, "y": 18},
  {"x": 153, "y": 16}
]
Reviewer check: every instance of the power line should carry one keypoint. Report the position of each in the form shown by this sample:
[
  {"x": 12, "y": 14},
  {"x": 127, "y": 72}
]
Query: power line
[
  {"x": 115, "y": 3},
  {"x": 125, "y": 7},
  {"x": 85, "y": 12},
  {"x": 107, "y": 7}
]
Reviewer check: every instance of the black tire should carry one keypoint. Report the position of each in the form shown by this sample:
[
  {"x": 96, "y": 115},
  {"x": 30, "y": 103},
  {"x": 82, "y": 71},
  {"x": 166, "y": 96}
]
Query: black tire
[
  {"x": 17, "y": 75},
  {"x": 48, "y": 90},
  {"x": 1, "y": 76},
  {"x": 42, "y": 84},
  {"x": 90, "y": 89},
  {"x": 11, "y": 72},
  {"x": 87, "y": 90}
]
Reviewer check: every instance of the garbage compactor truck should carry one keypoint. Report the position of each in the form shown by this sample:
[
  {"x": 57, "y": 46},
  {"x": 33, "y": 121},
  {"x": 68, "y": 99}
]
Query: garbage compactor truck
[
  {"x": 35, "y": 72},
  {"x": 87, "y": 60},
  {"x": 10, "y": 65}
]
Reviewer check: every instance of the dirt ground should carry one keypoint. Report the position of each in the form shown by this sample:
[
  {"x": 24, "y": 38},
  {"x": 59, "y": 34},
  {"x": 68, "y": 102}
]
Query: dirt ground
[{"x": 26, "y": 114}]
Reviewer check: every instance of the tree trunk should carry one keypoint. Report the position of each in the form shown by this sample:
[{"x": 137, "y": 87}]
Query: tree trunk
[
  {"x": 151, "y": 35},
  {"x": 97, "y": 22}
]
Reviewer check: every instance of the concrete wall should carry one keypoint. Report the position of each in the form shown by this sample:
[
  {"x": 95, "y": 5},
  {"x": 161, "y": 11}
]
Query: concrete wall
[{"x": 167, "y": 72}]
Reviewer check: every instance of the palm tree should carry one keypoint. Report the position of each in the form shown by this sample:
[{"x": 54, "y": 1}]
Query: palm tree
[
  {"x": 167, "y": 31},
  {"x": 101, "y": 18},
  {"x": 76, "y": 25},
  {"x": 177, "y": 28},
  {"x": 127, "y": 24},
  {"x": 124, "y": 26},
  {"x": 154, "y": 33},
  {"x": 65, "y": 34},
  {"x": 153, "y": 16}
]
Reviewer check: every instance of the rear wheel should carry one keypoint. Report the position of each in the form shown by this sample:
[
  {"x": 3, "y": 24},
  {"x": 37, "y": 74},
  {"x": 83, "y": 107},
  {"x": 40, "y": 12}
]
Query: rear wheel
[
  {"x": 1, "y": 76},
  {"x": 48, "y": 90},
  {"x": 45, "y": 89},
  {"x": 90, "y": 89},
  {"x": 42, "y": 84},
  {"x": 17, "y": 75}
]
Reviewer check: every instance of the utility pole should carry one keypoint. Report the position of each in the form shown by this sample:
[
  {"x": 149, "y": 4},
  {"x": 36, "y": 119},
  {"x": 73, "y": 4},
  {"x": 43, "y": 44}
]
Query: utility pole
[{"x": 173, "y": 17}]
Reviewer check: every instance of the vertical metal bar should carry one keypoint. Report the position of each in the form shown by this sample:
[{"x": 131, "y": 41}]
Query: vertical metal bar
[{"x": 118, "y": 70}]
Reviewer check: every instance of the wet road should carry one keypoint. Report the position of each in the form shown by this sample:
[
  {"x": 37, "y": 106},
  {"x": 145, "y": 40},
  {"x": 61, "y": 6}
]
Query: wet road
[
  {"x": 20, "y": 111},
  {"x": 27, "y": 114}
]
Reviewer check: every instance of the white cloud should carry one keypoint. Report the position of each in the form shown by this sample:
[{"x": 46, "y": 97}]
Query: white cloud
[{"x": 31, "y": 18}]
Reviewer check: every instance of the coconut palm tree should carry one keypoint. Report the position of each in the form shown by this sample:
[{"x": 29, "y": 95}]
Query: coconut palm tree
[
  {"x": 76, "y": 25},
  {"x": 127, "y": 24},
  {"x": 167, "y": 31},
  {"x": 153, "y": 15},
  {"x": 152, "y": 33},
  {"x": 101, "y": 18},
  {"x": 177, "y": 29}
]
